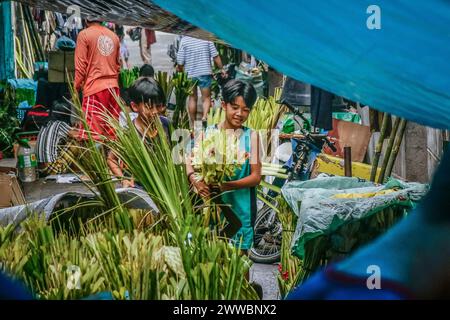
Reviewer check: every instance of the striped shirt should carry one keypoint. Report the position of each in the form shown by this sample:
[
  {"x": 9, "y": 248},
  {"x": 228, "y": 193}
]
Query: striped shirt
[{"x": 195, "y": 55}]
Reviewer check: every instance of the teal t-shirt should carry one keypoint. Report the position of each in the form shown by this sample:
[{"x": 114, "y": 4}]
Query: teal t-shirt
[{"x": 243, "y": 201}]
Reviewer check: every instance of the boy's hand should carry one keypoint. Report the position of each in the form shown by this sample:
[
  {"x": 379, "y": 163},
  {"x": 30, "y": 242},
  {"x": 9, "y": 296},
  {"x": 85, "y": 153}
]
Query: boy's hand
[
  {"x": 224, "y": 73},
  {"x": 216, "y": 188},
  {"x": 202, "y": 189},
  {"x": 127, "y": 184}
]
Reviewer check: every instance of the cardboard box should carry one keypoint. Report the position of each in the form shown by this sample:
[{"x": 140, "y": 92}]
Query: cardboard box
[
  {"x": 61, "y": 65},
  {"x": 349, "y": 134},
  {"x": 10, "y": 191},
  {"x": 8, "y": 165}
]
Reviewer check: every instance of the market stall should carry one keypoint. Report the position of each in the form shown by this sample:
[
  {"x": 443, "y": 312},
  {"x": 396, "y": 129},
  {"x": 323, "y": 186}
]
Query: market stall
[{"x": 308, "y": 215}]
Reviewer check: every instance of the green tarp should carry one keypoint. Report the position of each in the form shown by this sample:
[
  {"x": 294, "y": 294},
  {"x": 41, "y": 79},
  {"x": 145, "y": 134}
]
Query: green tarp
[{"x": 322, "y": 208}]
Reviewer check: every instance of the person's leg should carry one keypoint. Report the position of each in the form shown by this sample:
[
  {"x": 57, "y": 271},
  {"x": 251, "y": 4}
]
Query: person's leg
[
  {"x": 149, "y": 54},
  {"x": 90, "y": 109},
  {"x": 205, "y": 83},
  {"x": 146, "y": 57},
  {"x": 192, "y": 106},
  {"x": 142, "y": 46},
  {"x": 111, "y": 108},
  {"x": 97, "y": 108},
  {"x": 206, "y": 100}
]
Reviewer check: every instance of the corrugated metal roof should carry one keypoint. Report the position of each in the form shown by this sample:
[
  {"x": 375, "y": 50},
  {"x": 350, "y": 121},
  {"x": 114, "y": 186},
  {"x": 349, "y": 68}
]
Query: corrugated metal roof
[{"x": 126, "y": 12}]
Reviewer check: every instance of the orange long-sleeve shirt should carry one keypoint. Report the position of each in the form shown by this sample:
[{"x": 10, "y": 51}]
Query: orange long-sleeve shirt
[{"x": 97, "y": 60}]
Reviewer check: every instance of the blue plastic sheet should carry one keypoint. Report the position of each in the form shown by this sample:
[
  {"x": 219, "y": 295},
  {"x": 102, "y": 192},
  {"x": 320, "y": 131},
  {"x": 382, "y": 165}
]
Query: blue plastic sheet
[
  {"x": 402, "y": 68},
  {"x": 6, "y": 42},
  {"x": 23, "y": 84}
]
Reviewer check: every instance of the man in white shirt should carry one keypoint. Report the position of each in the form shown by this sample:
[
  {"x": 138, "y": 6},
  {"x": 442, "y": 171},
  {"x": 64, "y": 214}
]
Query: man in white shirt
[{"x": 194, "y": 56}]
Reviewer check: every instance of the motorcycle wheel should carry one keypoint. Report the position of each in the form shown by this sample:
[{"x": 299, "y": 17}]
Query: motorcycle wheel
[{"x": 267, "y": 233}]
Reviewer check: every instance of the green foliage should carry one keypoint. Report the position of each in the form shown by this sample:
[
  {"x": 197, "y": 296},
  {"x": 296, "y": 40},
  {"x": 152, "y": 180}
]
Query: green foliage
[
  {"x": 127, "y": 77},
  {"x": 9, "y": 124},
  {"x": 183, "y": 87},
  {"x": 133, "y": 255},
  {"x": 166, "y": 84}
]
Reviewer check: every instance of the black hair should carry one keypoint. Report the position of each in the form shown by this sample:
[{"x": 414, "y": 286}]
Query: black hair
[
  {"x": 92, "y": 20},
  {"x": 147, "y": 71},
  {"x": 120, "y": 30},
  {"x": 146, "y": 90},
  {"x": 236, "y": 88}
]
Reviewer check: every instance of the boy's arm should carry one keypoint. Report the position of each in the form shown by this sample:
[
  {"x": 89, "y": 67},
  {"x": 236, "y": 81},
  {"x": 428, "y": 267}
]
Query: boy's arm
[
  {"x": 215, "y": 54},
  {"x": 218, "y": 62},
  {"x": 113, "y": 164},
  {"x": 201, "y": 186},
  {"x": 180, "y": 57},
  {"x": 81, "y": 61},
  {"x": 254, "y": 179},
  {"x": 119, "y": 57}
]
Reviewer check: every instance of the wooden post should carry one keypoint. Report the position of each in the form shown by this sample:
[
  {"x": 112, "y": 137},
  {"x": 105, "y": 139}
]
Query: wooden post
[
  {"x": 348, "y": 161},
  {"x": 388, "y": 152},
  {"x": 396, "y": 148},
  {"x": 379, "y": 146}
]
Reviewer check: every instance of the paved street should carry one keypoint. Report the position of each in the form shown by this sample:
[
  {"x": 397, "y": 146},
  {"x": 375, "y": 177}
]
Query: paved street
[{"x": 161, "y": 61}]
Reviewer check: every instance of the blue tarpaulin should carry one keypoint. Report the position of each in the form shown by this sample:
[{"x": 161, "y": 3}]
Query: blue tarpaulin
[
  {"x": 6, "y": 42},
  {"x": 402, "y": 68}
]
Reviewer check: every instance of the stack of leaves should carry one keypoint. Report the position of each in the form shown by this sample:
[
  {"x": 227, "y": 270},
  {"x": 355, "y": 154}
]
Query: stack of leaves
[
  {"x": 215, "y": 116},
  {"x": 135, "y": 265},
  {"x": 265, "y": 113},
  {"x": 163, "y": 180},
  {"x": 129, "y": 265},
  {"x": 290, "y": 266},
  {"x": 9, "y": 123},
  {"x": 320, "y": 251},
  {"x": 124, "y": 255},
  {"x": 127, "y": 77},
  {"x": 217, "y": 156},
  {"x": 214, "y": 269},
  {"x": 165, "y": 82},
  {"x": 183, "y": 87}
]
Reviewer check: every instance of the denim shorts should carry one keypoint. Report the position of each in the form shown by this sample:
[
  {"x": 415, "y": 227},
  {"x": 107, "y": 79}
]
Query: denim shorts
[{"x": 203, "y": 81}]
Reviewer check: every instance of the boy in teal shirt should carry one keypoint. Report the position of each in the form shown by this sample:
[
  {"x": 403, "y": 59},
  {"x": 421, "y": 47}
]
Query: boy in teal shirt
[{"x": 239, "y": 192}]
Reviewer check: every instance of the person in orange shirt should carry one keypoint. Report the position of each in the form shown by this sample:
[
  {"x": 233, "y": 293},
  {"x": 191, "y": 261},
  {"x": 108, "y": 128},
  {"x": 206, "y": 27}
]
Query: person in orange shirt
[{"x": 97, "y": 67}]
